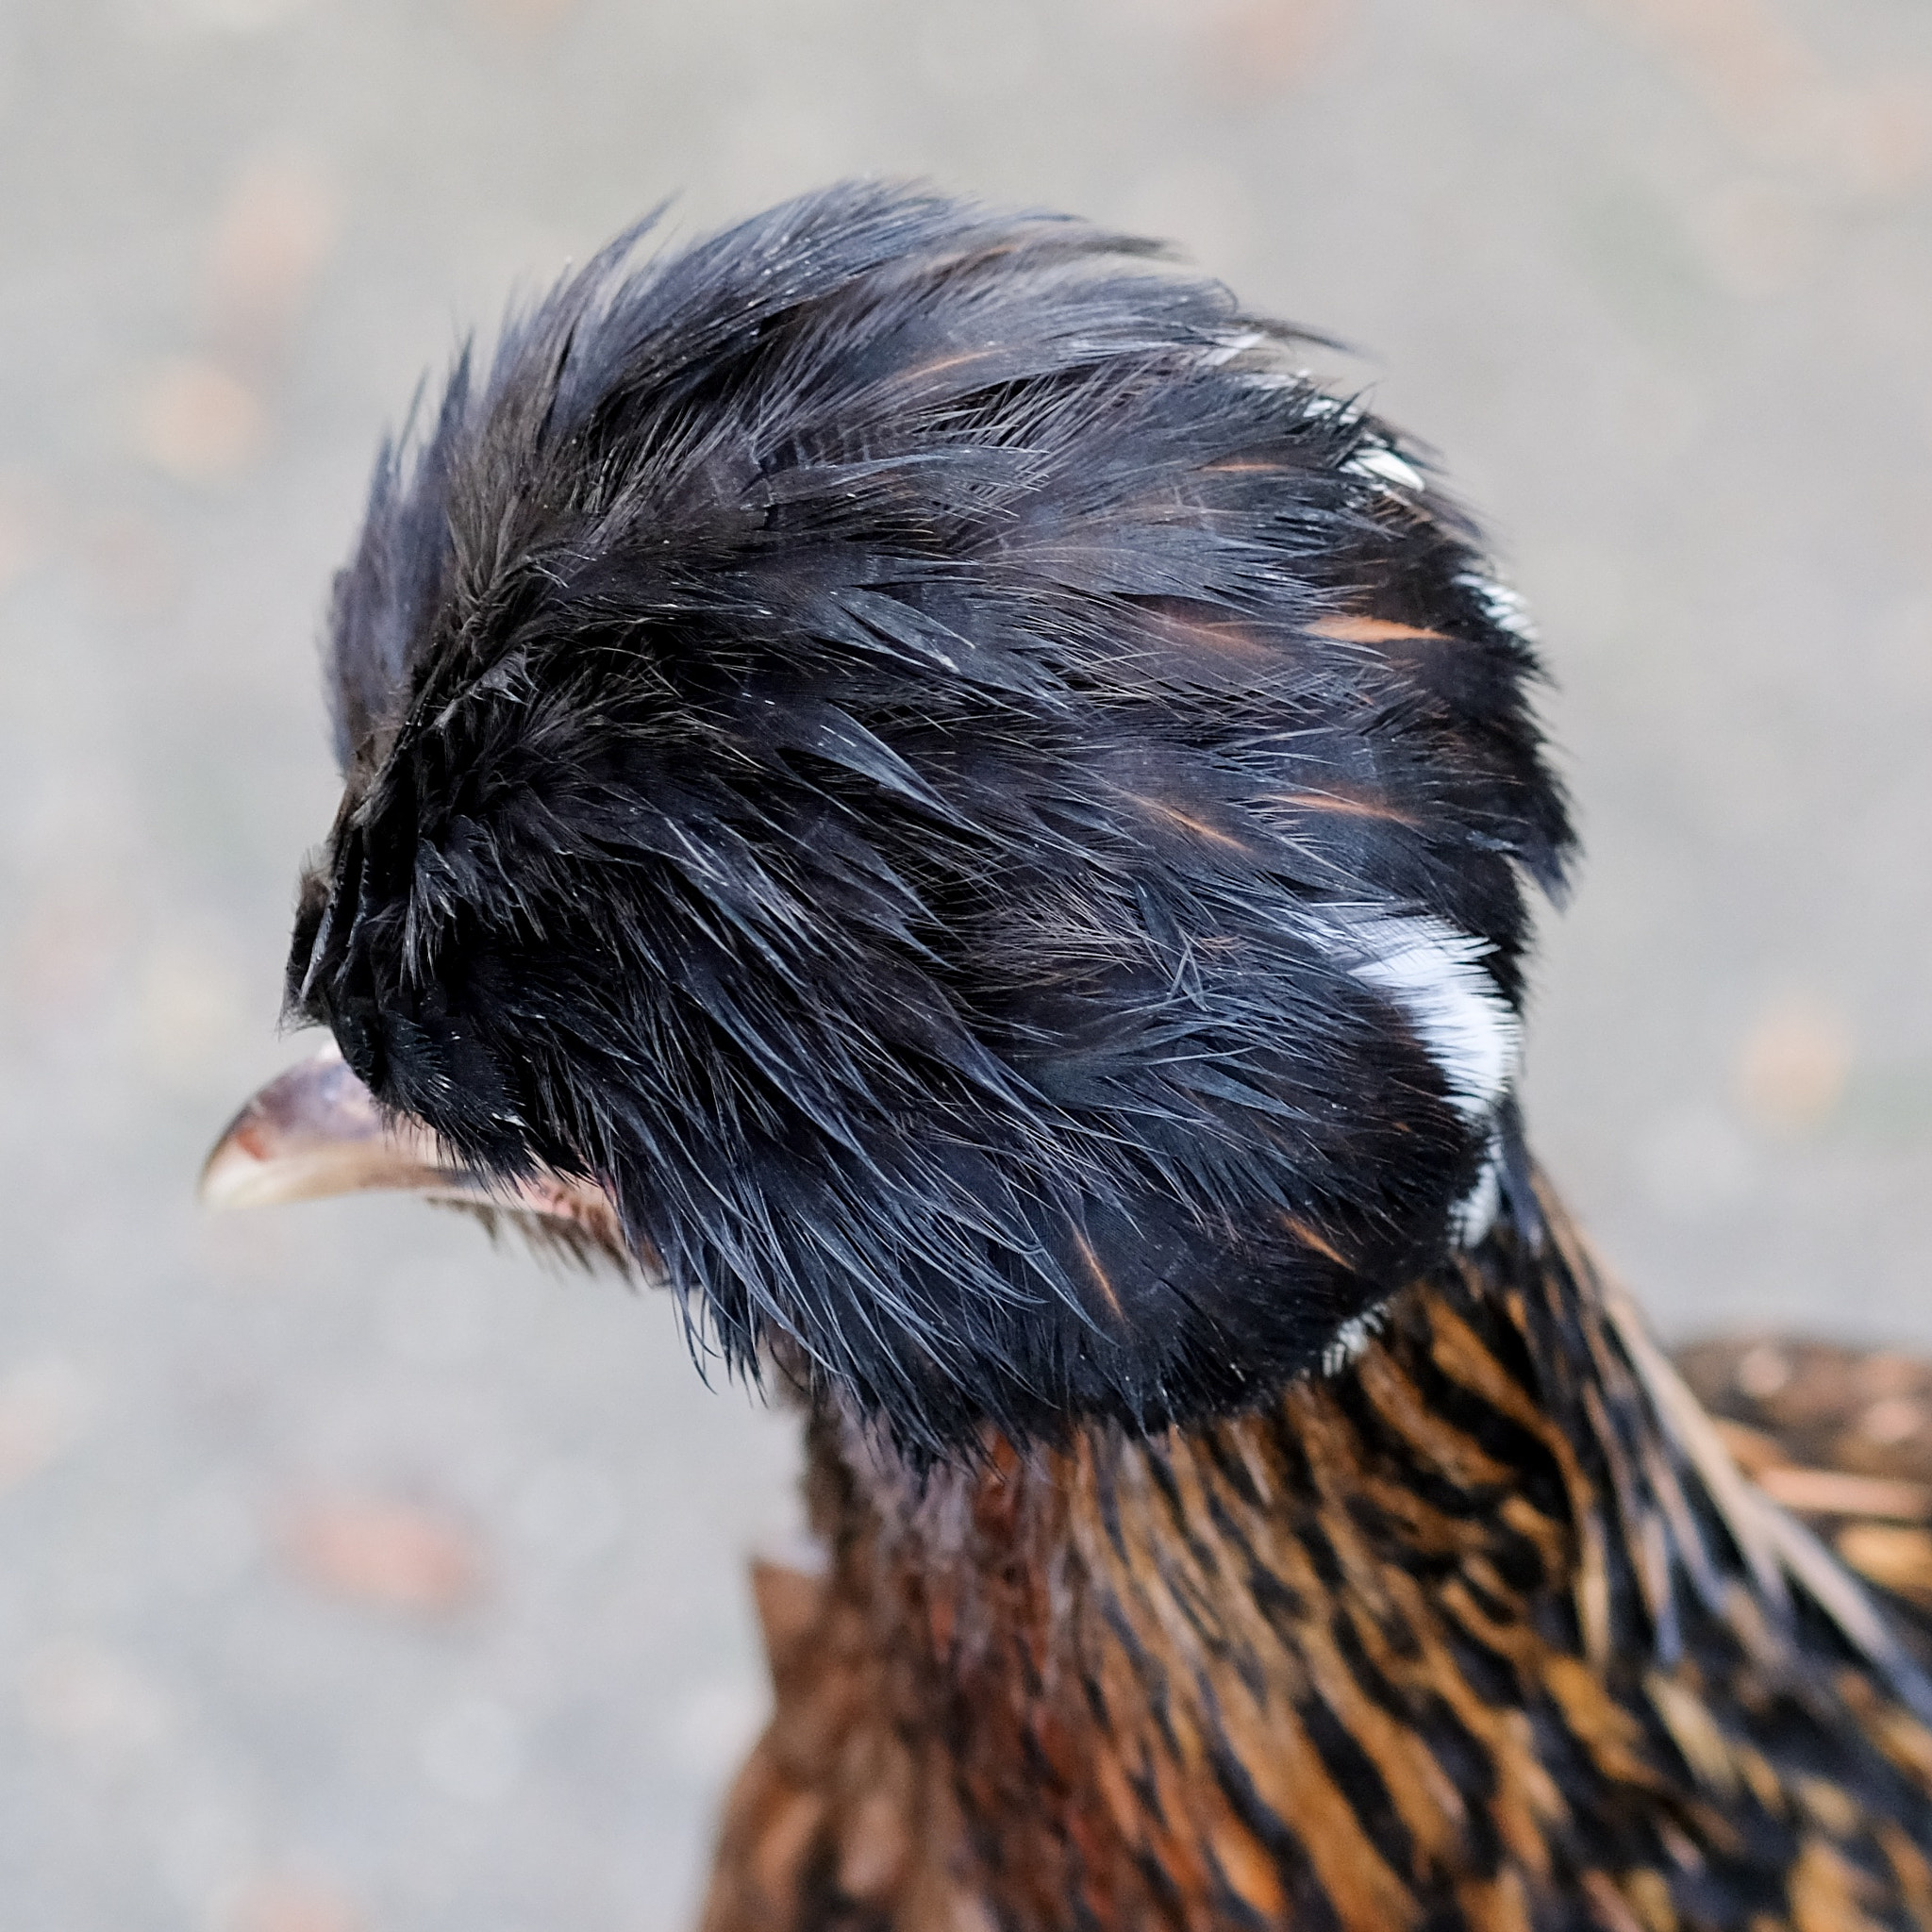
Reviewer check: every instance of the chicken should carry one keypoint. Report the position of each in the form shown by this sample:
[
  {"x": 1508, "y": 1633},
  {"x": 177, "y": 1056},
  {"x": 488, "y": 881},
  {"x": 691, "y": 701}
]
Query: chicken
[{"x": 910, "y": 778}]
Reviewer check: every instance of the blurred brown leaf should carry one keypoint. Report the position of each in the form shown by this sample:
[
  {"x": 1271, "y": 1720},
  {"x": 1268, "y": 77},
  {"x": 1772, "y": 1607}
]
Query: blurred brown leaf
[
  {"x": 1260, "y": 46},
  {"x": 275, "y": 232},
  {"x": 197, "y": 420},
  {"x": 377, "y": 1550},
  {"x": 288, "y": 1905},
  {"x": 1793, "y": 1063},
  {"x": 1781, "y": 98}
]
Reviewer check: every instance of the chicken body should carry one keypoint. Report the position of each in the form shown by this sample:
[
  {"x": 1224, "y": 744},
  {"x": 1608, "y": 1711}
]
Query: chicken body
[{"x": 909, "y": 777}]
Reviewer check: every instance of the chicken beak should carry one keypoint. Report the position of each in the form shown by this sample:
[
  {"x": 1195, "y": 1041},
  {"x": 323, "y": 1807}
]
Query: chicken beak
[{"x": 316, "y": 1131}]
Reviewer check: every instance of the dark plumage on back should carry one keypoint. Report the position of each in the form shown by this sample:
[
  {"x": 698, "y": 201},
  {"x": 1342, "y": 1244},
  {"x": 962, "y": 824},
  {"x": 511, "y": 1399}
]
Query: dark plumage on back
[{"x": 991, "y": 812}]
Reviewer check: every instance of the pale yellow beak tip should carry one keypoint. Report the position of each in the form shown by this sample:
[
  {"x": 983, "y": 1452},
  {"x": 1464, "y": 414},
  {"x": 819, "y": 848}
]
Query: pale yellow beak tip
[
  {"x": 233, "y": 1177},
  {"x": 313, "y": 1132}
]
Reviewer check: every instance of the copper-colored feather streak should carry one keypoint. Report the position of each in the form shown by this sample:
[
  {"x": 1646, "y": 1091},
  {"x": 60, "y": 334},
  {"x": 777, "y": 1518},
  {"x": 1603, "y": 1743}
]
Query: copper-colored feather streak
[
  {"x": 1222, "y": 637},
  {"x": 1466, "y": 1636},
  {"x": 1098, "y": 1273},
  {"x": 1309, "y": 1239},
  {"x": 1373, "y": 630},
  {"x": 1337, "y": 803},
  {"x": 1188, "y": 822}
]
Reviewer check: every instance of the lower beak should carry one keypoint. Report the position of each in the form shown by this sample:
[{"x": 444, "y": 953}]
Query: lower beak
[{"x": 316, "y": 1131}]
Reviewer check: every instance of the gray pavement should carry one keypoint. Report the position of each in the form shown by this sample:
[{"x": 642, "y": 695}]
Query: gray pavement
[{"x": 356, "y": 1579}]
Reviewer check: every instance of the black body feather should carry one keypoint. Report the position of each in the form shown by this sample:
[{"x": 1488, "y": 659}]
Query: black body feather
[{"x": 905, "y": 743}]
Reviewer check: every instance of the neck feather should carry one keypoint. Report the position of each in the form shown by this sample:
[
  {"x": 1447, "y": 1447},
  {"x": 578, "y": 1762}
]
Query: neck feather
[{"x": 1484, "y": 1619}]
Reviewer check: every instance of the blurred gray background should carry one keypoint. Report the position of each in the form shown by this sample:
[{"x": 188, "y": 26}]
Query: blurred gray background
[{"x": 356, "y": 1579}]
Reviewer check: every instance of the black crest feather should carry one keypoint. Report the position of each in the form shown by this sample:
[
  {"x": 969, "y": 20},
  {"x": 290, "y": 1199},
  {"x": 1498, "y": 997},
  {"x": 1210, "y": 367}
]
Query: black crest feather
[{"x": 915, "y": 747}]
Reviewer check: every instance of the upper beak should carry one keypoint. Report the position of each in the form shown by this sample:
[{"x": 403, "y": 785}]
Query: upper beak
[{"x": 316, "y": 1131}]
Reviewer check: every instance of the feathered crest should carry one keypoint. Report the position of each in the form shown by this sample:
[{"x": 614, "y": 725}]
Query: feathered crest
[{"x": 985, "y": 807}]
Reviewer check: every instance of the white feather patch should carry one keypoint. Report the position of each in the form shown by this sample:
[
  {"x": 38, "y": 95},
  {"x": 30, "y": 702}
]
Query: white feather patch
[
  {"x": 1474, "y": 1215},
  {"x": 1436, "y": 975},
  {"x": 1351, "y": 1339},
  {"x": 1384, "y": 466},
  {"x": 1229, "y": 347},
  {"x": 1503, "y": 607}
]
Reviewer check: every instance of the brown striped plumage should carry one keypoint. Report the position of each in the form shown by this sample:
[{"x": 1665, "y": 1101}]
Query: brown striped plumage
[
  {"x": 1486, "y": 1631},
  {"x": 1842, "y": 1438}
]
